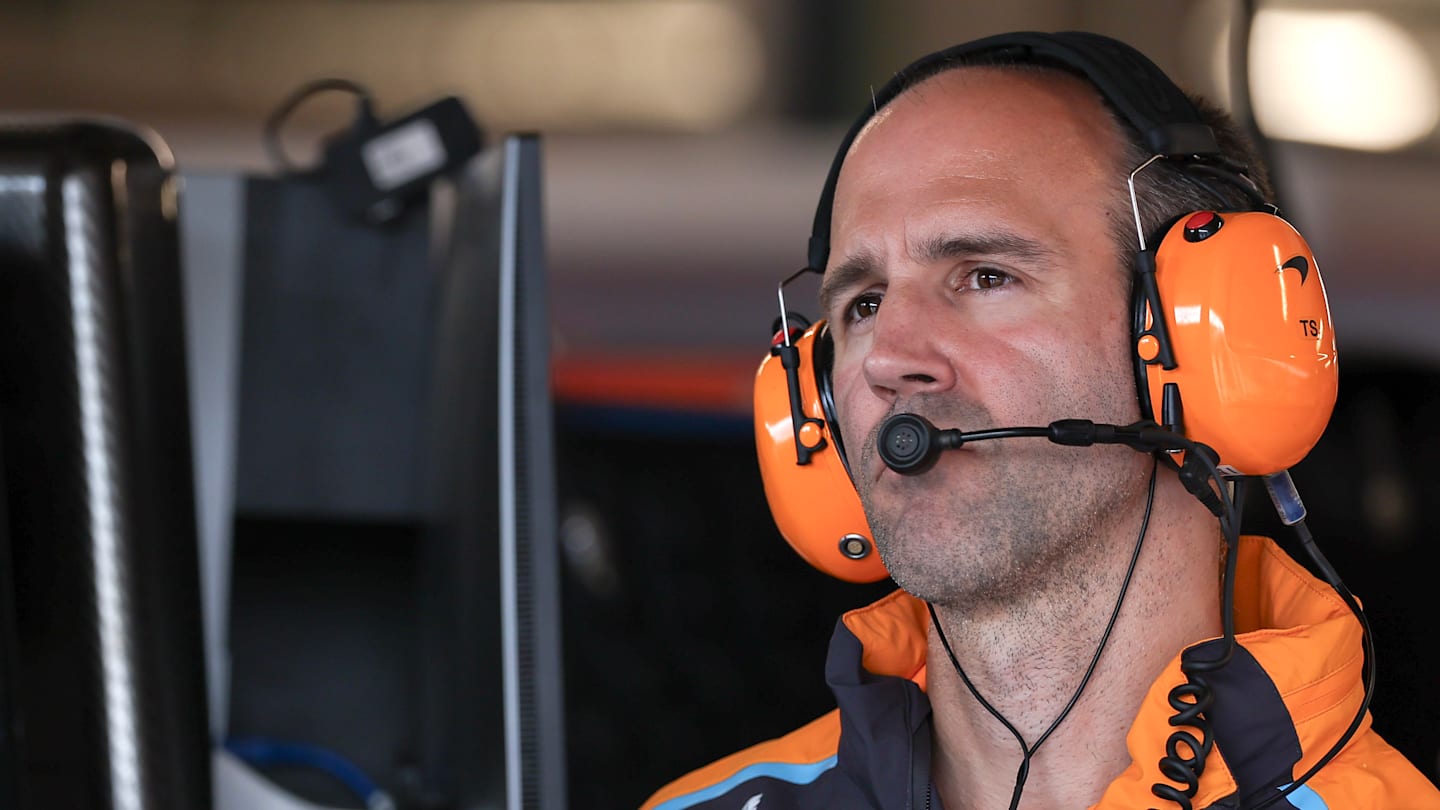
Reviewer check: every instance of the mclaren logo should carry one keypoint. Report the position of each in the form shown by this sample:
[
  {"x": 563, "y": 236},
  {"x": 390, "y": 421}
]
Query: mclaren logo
[
  {"x": 753, "y": 803},
  {"x": 1298, "y": 263}
]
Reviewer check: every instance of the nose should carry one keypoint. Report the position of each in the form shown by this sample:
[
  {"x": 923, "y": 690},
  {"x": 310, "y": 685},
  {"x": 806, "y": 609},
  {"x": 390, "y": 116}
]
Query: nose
[{"x": 907, "y": 354}]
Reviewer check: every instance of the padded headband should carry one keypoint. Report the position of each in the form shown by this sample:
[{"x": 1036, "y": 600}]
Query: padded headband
[{"x": 1138, "y": 90}]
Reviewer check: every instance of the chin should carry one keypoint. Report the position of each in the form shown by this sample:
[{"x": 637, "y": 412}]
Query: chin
[{"x": 935, "y": 563}]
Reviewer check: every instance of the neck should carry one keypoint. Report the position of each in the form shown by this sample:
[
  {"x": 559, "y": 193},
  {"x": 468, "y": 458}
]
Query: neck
[{"x": 1028, "y": 658}]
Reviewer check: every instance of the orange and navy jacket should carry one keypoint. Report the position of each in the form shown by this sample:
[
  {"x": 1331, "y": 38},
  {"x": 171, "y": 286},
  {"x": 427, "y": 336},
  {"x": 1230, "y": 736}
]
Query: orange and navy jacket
[{"x": 1286, "y": 696}]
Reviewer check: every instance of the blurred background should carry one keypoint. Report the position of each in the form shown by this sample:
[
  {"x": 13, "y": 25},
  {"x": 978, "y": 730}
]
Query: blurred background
[{"x": 684, "y": 143}]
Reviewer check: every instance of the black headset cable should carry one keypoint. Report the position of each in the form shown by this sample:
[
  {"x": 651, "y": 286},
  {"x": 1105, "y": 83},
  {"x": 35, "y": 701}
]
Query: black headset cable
[
  {"x": 1332, "y": 578},
  {"x": 910, "y": 444},
  {"x": 1028, "y": 751}
]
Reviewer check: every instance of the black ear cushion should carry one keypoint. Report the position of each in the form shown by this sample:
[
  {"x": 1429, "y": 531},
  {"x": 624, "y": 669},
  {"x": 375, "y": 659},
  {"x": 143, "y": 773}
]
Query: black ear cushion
[
  {"x": 1137, "y": 327},
  {"x": 824, "y": 363}
]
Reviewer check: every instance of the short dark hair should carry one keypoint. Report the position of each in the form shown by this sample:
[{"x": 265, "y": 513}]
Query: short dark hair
[{"x": 1168, "y": 189}]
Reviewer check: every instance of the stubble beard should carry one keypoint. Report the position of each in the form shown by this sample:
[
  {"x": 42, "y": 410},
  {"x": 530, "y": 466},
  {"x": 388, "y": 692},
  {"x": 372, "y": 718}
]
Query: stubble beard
[{"x": 1033, "y": 518}]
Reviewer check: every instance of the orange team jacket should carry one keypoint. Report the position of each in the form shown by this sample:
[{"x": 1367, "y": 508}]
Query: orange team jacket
[{"x": 1279, "y": 706}]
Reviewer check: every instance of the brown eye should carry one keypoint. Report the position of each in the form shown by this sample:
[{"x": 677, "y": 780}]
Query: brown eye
[
  {"x": 988, "y": 278},
  {"x": 863, "y": 307}
]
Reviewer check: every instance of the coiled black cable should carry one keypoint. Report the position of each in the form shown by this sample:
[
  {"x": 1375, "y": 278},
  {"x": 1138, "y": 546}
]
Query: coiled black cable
[
  {"x": 1192, "y": 699},
  {"x": 1187, "y": 769}
]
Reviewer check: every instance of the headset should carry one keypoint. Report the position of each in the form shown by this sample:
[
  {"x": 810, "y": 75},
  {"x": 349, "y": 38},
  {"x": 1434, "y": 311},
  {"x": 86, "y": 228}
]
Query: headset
[{"x": 1232, "y": 339}]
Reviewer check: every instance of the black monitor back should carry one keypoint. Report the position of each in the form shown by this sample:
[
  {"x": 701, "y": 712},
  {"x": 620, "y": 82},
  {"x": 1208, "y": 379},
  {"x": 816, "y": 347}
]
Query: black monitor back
[
  {"x": 491, "y": 593},
  {"x": 395, "y": 594}
]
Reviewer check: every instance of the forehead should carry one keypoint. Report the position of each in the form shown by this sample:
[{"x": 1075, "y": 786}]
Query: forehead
[
  {"x": 989, "y": 133},
  {"x": 1023, "y": 106}
]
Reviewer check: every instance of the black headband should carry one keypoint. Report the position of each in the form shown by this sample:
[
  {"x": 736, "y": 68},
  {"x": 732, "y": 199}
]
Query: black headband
[{"x": 1138, "y": 90}]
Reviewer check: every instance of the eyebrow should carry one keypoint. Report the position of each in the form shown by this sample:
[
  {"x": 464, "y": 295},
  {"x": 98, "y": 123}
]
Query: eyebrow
[
  {"x": 857, "y": 268},
  {"x": 998, "y": 243},
  {"x": 846, "y": 275}
]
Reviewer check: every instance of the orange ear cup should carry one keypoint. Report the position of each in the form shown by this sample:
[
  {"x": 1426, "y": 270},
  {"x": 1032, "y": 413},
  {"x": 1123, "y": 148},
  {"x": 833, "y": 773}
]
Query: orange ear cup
[
  {"x": 1250, "y": 327},
  {"x": 815, "y": 505}
]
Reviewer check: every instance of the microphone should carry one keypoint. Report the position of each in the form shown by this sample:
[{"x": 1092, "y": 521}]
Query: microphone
[{"x": 909, "y": 444}]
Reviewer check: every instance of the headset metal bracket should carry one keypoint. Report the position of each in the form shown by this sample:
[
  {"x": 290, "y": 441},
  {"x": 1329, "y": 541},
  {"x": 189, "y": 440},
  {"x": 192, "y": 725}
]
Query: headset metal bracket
[{"x": 789, "y": 355}]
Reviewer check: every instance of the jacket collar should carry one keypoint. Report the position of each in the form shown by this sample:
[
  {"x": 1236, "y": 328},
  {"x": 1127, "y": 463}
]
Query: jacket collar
[
  {"x": 1298, "y": 631},
  {"x": 875, "y": 656}
]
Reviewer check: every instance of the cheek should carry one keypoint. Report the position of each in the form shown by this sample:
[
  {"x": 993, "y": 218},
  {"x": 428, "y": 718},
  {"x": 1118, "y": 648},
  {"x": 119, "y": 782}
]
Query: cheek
[
  {"x": 1110, "y": 340},
  {"x": 856, "y": 409},
  {"x": 1065, "y": 363},
  {"x": 1090, "y": 366}
]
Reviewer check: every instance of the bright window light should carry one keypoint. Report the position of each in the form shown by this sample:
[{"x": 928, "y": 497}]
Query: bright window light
[{"x": 1352, "y": 79}]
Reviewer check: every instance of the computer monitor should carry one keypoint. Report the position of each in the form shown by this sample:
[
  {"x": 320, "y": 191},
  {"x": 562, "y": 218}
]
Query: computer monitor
[{"x": 492, "y": 692}]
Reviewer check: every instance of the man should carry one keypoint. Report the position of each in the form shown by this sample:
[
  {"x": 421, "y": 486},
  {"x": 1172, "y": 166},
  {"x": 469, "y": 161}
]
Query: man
[{"x": 978, "y": 273}]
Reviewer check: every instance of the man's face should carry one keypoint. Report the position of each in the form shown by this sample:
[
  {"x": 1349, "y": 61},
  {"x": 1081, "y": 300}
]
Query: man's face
[{"x": 973, "y": 280}]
